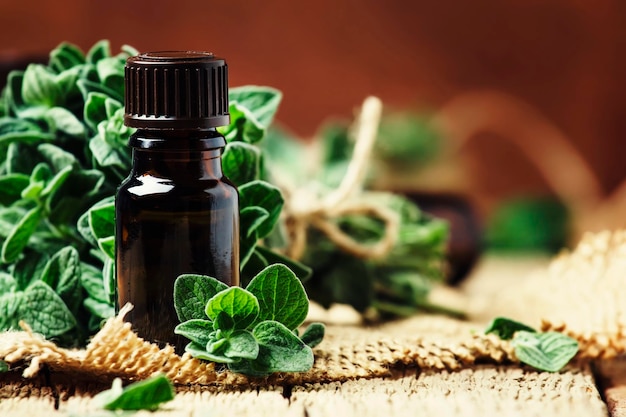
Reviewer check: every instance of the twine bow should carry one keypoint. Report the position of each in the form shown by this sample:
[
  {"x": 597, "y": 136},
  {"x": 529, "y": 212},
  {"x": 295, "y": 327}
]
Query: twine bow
[{"x": 305, "y": 208}]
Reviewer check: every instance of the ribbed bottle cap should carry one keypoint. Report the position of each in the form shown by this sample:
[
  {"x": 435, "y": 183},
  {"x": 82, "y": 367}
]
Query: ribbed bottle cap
[{"x": 176, "y": 89}]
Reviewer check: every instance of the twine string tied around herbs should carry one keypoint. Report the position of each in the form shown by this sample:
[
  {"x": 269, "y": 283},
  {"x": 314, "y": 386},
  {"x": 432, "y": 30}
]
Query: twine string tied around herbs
[{"x": 305, "y": 208}]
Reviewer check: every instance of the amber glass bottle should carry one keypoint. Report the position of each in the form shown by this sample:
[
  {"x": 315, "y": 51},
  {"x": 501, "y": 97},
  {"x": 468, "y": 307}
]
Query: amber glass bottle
[{"x": 176, "y": 213}]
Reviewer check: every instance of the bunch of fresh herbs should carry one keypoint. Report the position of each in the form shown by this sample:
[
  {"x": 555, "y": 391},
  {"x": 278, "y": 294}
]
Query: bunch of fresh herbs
[
  {"x": 63, "y": 152},
  {"x": 253, "y": 330},
  {"x": 148, "y": 394},
  {"x": 399, "y": 283},
  {"x": 62, "y": 149}
]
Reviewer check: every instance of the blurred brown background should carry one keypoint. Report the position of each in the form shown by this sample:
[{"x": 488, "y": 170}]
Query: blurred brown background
[{"x": 564, "y": 57}]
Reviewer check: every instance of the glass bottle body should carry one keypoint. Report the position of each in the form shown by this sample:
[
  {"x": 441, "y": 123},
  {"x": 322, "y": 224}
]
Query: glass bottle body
[{"x": 175, "y": 214}]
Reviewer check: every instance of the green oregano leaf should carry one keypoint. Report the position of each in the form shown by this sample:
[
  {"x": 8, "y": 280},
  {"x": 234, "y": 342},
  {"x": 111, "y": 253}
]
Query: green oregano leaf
[
  {"x": 58, "y": 158},
  {"x": 30, "y": 137},
  {"x": 39, "y": 86},
  {"x": 56, "y": 182},
  {"x": 95, "y": 109},
  {"x": 313, "y": 334},
  {"x": 91, "y": 280},
  {"x": 9, "y": 304},
  {"x": 240, "y": 305},
  {"x": 243, "y": 126},
  {"x": 111, "y": 72},
  {"x": 196, "y": 330},
  {"x": 62, "y": 270},
  {"x": 251, "y": 109},
  {"x": 107, "y": 246},
  {"x": 250, "y": 219},
  {"x": 143, "y": 395},
  {"x": 21, "y": 233},
  {"x": 65, "y": 56},
  {"x": 102, "y": 310},
  {"x": 262, "y": 102},
  {"x": 65, "y": 121},
  {"x": 281, "y": 296},
  {"x": 44, "y": 311},
  {"x": 28, "y": 269},
  {"x": 241, "y": 162},
  {"x": 101, "y": 50},
  {"x": 279, "y": 351},
  {"x": 241, "y": 344},
  {"x": 223, "y": 321},
  {"x": 62, "y": 273},
  {"x": 505, "y": 328},
  {"x": 262, "y": 194},
  {"x": 200, "y": 352},
  {"x": 192, "y": 293},
  {"x": 549, "y": 351},
  {"x": 102, "y": 220},
  {"x": 11, "y": 187},
  {"x": 106, "y": 154},
  {"x": 215, "y": 345},
  {"x": 108, "y": 277}
]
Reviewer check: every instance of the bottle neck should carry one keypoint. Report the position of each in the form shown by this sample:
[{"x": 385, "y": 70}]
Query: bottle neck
[{"x": 180, "y": 155}]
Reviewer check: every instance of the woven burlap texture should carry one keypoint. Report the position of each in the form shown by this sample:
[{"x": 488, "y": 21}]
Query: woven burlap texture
[{"x": 578, "y": 294}]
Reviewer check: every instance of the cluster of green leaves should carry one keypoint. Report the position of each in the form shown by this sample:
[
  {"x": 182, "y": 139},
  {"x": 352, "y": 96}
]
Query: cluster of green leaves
[
  {"x": 398, "y": 284},
  {"x": 546, "y": 351},
  {"x": 148, "y": 394},
  {"x": 253, "y": 330},
  {"x": 252, "y": 109},
  {"x": 62, "y": 149}
]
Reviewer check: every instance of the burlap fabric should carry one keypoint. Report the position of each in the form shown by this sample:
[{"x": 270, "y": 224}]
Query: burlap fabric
[{"x": 580, "y": 294}]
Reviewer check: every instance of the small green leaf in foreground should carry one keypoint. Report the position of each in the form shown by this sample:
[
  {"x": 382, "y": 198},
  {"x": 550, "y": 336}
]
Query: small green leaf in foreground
[
  {"x": 505, "y": 328},
  {"x": 143, "y": 395},
  {"x": 4, "y": 367},
  {"x": 549, "y": 351}
]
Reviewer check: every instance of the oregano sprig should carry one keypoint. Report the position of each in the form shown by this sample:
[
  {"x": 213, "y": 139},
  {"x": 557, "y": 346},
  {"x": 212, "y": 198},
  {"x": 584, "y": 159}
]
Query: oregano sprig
[
  {"x": 253, "y": 330},
  {"x": 546, "y": 351}
]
